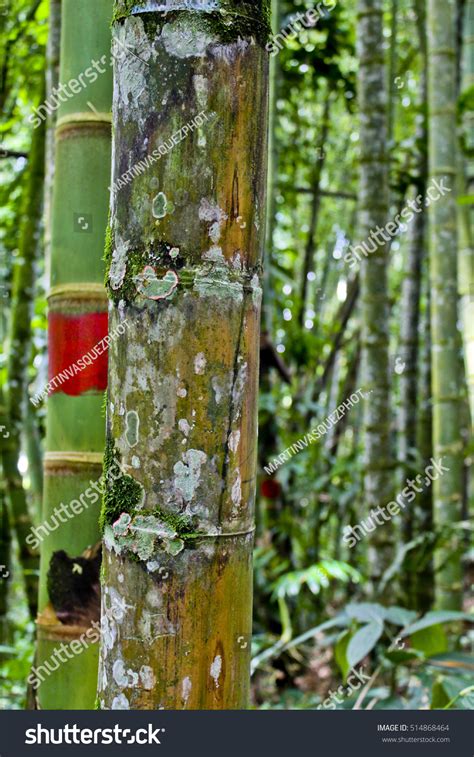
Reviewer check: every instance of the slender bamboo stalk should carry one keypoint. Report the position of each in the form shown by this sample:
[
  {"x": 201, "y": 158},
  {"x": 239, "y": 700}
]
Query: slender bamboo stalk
[
  {"x": 410, "y": 342},
  {"x": 373, "y": 212},
  {"x": 77, "y": 323},
  {"x": 5, "y": 535},
  {"x": 444, "y": 312},
  {"x": 24, "y": 273},
  {"x": 320, "y": 156},
  {"x": 52, "y": 82},
  {"x": 184, "y": 272},
  {"x": 424, "y": 585},
  {"x": 273, "y": 162},
  {"x": 466, "y": 212},
  {"x": 32, "y": 444}
]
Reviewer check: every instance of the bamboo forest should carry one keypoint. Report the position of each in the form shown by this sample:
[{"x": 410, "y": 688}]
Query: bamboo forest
[{"x": 237, "y": 355}]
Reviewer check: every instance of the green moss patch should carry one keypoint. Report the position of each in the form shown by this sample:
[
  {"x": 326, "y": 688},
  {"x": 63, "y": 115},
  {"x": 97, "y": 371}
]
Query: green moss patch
[{"x": 122, "y": 494}]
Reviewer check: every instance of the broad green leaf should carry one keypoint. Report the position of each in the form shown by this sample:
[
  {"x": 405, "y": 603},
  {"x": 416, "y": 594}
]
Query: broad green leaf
[
  {"x": 433, "y": 618},
  {"x": 430, "y": 640},
  {"x": 366, "y": 612},
  {"x": 340, "y": 653},
  {"x": 400, "y": 656},
  {"x": 363, "y": 641},
  {"x": 399, "y": 616}
]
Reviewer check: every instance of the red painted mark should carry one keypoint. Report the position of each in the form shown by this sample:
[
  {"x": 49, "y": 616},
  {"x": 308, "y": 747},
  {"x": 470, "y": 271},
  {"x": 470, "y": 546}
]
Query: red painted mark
[
  {"x": 270, "y": 488},
  {"x": 70, "y": 339}
]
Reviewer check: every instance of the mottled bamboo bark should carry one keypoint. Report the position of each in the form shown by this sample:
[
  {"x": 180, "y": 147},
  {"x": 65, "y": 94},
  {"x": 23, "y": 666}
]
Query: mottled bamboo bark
[
  {"x": 466, "y": 212},
  {"x": 24, "y": 274},
  {"x": 373, "y": 213},
  {"x": 424, "y": 585},
  {"x": 410, "y": 346},
  {"x": 392, "y": 70},
  {"x": 308, "y": 261},
  {"x": 184, "y": 272},
  {"x": 5, "y": 534},
  {"x": 408, "y": 354},
  {"x": 273, "y": 162},
  {"x": 77, "y": 323},
  {"x": 444, "y": 312}
]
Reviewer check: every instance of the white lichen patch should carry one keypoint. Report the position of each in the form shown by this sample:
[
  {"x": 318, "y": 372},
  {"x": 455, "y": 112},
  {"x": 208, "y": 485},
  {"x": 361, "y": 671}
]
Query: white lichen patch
[
  {"x": 132, "y": 427},
  {"x": 217, "y": 387},
  {"x": 160, "y": 205},
  {"x": 215, "y": 255},
  {"x": 201, "y": 87},
  {"x": 118, "y": 265},
  {"x": 147, "y": 677},
  {"x": 184, "y": 427},
  {"x": 188, "y": 473},
  {"x": 236, "y": 492},
  {"x": 200, "y": 363},
  {"x": 120, "y": 703},
  {"x": 231, "y": 52},
  {"x": 152, "y": 626},
  {"x": 216, "y": 669},
  {"x": 211, "y": 213},
  {"x": 132, "y": 92},
  {"x": 256, "y": 291},
  {"x": 135, "y": 462},
  {"x": 186, "y": 687},
  {"x": 180, "y": 43},
  {"x": 234, "y": 441},
  {"x": 119, "y": 675},
  {"x": 239, "y": 388}
]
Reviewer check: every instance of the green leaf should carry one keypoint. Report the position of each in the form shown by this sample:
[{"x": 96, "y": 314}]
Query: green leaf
[
  {"x": 452, "y": 693},
  {"x": 363, "y": 641},
  {"x": 433, "y": 618},
  {"x": 461, "y": 663},
  {"x": 439, "y": 698},
  {"x": 400, "y": 656},
  {"x": 399, "y": 616},
  {"x": 430, "y": 640},
  {"x": 366, "y": 612},
  {"x": 340, "y": 653},
  {"x": 466, "y": 200}
]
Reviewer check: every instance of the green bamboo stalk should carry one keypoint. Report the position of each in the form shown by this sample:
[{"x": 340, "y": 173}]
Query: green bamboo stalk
[
  {"x": 424, "y": 585},
  {"x": 444, "y": 312},
  {"x": 181, "y": 412},
  {"x": 75, "y": 424},
  {"x": 373, "y": 213},
  {"x": 466, "y": 212},
  {"x": 32, "y": 444},
  {"x": 308, "y": 261},
  {"x": 24, "y": 274},
  {"x": 410, "y": 312},
  {"x": 52, "y": 81},
  {"x": 5, "y": 535},
  {"x": 272, "y": 183}
]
